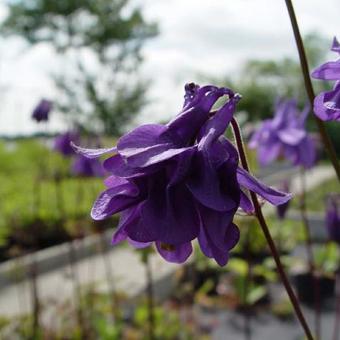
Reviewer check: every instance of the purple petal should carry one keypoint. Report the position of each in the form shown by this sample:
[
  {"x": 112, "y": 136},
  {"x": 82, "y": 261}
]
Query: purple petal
[
  {"x": 175, "y": 254},
  {"x": 196, "y": 111},
  {"x": 147, "y": 145},
  {"x": 328, "y": 71},
  {"x": 304, "y": 154},
  {"x": 170, "y": 213},
  {"x": 216, "y": 224},
  {"x": 268, "y": 152},
  {"x": 115, "y": 199},
  {"x": 273, "y": 196},
  {"x": 246, "y": 204},
  {"x": 118, "y": 167},
  {"x": 127, "y": 217},
  {"x": 291, "y": 136},
  {"x": 335, "y": 45},
  {"x": 92, "y": 153},
  {"x": 327, "y": 104},
  {"x": 217, "y": 124},
  {"x": 205, "y": 183},
  {"x": 208, "y": 248},
  {"x": 138, "y": 245}
]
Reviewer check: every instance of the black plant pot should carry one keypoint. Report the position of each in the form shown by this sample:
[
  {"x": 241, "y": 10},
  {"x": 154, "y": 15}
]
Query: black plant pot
[{"x": 304, "y": 284}]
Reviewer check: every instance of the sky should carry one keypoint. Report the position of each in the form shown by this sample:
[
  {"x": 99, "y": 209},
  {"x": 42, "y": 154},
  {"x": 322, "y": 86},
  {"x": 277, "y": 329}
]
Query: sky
[{"x": 196, "y": 37}]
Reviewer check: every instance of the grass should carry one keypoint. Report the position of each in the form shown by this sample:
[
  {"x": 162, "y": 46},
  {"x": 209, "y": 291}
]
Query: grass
[{"x": 28, "y": 189}]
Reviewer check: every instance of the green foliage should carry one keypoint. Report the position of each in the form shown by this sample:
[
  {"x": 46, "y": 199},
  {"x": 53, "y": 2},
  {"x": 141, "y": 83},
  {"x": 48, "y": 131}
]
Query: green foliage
[
  {"x": 29, "y": 192},
  {"x": 100, "y": 42},
  {"x": 327, "y": 258},
  {"x": 316, "y": 200}
]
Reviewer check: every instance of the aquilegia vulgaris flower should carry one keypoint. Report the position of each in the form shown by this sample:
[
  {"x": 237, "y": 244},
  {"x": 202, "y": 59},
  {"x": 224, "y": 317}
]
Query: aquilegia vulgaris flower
[
  {"x": 87, "y": 167},
  {"x": 180, "y": 181},
  {"x": 62, "y": 143},
  {"x": 333, "y": 217},
  {"x": 42, "y": 110},
  {"x": 327, "y": 104},
  {"x": 285, "y": 136}
]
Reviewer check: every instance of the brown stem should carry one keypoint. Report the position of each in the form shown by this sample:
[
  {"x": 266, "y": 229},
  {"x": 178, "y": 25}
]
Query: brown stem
[
  {"x": 309, "y": 88},
  {"x": 269, "y": 239}
]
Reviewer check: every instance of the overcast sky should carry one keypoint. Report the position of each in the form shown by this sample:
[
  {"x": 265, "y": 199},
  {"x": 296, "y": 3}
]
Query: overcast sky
[{"x": 212, "y": 37}]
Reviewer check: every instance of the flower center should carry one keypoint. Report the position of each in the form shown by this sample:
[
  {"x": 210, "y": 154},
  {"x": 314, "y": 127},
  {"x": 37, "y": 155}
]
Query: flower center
[{"x": 167, "y": 246}]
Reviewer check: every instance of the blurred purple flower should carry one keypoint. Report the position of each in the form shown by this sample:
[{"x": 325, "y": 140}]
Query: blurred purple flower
[
  {"x": 285, "y": 136},
  {"x": 327, "y": 103},
  {"x": 333, "y": 217},
  {"x": 42, "y": 110},
  {"x": 283, "y": 208},
  {"x": 86, "y": 167},
  {"x": 180, "y": 181},
  {"x": 62, "y": 143}
]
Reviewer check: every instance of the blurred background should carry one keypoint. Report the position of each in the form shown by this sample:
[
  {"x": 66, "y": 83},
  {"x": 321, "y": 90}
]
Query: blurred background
[{"x": 99, "y": 68}]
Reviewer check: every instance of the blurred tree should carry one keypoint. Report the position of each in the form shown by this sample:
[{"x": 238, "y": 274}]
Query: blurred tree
[
  {"x": 99, "y": 42},
  {"x": 261, "y": 82}
]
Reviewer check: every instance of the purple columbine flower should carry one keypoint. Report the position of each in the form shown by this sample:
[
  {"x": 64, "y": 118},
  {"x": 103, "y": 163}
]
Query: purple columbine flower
[
  {"x": 333, "y": 217},
  {"x": 62, "y": 143},
  {"x": 42, "y": 110},
  {"x": 87, "y": 167},
  {"x": 283, "y": 208},
  {"x": 327, "y": 104},
  {"x": 285, "y": 136},
  {"x": 177, "y": 182}
]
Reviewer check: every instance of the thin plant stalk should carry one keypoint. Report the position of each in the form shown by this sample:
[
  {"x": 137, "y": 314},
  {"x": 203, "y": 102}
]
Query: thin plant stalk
[
  {"x": 310, "y": 255},
  {"x": 269, "y": 239},
  {"x": 336, "y": 332},
  {"x": 309, "y": 88}
]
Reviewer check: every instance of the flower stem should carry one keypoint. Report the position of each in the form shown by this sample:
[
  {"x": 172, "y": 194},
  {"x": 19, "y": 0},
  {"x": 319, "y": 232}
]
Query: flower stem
[
  {"x": 309, "y": 88},
  {"x": 269, "y": 239}
]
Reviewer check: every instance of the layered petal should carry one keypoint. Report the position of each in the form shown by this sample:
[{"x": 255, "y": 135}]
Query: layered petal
[
  {"x": 174, "y": 253},
  {"x": 115, "y": 199},
  {"x": 170, "y": 212},
  {"x": 335, "y": 45},
  {"x": 92, "y": 153},
  {"x": 327, "y": 104},
  {"x": 271, "y": 195},
  {"x": 328, "y": 71},
  {"x": 195, "y": 112}
]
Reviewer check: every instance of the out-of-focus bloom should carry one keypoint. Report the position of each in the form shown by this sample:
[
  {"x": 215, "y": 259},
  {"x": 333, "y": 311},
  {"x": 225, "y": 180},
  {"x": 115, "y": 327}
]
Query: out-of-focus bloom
[
  {"x": 283, "y": 208},
  {"x": 327, "y": 104},
  {"x": 333, "y": 217},
  {"x": 42, "y": 110},
  {"x": 86, "y": 167},
  {"x": 285, "y": 136},
  {"x": 62, "y": 143},
  {"x": 180, "y": 181}
]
